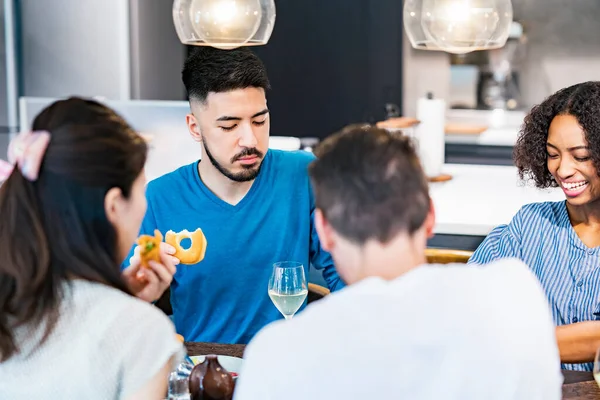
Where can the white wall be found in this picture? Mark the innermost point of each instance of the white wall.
(563, 45)
(423, 71)
(117, 49)
(157, 53)
(75, 47)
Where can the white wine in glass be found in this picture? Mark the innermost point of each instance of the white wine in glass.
(287, 287)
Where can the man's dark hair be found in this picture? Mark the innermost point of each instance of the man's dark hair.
(582, 101)
(208, 69)
(369, 184)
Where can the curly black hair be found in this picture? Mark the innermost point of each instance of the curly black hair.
(581, 101)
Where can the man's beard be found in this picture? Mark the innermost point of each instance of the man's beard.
(251, 171)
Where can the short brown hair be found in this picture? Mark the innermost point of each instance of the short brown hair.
(369, 184)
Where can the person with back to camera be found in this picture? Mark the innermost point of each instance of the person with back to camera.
(71, 208)
(402, 329)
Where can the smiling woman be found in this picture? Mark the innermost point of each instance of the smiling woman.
(570, 117)
(569, 159)
(559, 146)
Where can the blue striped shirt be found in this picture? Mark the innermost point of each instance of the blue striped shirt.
(541, 235)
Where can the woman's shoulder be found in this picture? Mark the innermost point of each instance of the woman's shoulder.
(548, 212)
(117, 310)
(532, 218)
(101, 336)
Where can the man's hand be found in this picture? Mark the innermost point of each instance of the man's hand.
(150, 283)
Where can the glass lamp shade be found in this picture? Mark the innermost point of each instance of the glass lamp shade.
(225, 24)
(457, 26)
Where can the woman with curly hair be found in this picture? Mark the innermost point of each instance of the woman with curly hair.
(559, 146)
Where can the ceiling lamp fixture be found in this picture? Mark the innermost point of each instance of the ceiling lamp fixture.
(457, 26)
(225, 24)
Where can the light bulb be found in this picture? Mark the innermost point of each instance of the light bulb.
(225, 24)
(457, 26)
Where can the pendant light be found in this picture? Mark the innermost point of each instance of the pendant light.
(457, 26)
(225, 24)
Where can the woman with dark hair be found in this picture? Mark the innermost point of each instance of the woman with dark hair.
(70, 211)
(559, 146)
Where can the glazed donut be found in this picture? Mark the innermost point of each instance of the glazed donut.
(149, 248)
(197, 249)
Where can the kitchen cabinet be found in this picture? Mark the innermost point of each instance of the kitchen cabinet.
(332, 63)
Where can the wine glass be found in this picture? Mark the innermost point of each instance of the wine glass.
(597, 367)
(287, 287)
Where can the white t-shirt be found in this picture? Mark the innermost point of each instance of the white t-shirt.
(106, 345)
(438, 332)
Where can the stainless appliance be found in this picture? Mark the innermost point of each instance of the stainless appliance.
(497, 78)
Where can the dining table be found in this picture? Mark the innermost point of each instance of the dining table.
(577, 385)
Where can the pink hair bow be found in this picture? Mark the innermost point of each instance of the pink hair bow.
(26, 151)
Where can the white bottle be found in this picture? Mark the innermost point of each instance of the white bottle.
(429, 134)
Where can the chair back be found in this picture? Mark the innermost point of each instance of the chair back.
(316, 292)
(447, 256)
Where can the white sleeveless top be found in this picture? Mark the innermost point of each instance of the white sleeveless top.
(106, 345)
